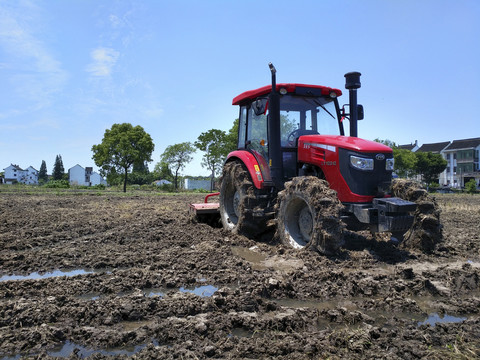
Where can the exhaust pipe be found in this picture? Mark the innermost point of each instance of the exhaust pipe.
(352, 83)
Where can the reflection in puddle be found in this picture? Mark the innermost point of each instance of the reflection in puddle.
(202, 291)
(55, 273)
(250, 255)
(318, 304)
(68, 347)
(151, 292)
(378, 315)
(434, 318)
(89, 297)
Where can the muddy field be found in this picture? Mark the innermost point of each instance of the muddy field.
(103, 275)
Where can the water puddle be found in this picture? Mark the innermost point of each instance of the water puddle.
(379, 316)
(68, 347)
(318, 304)
(89, 297)
(55, 273)
(252, 256)
(202, 291)
(152, 292)
(434, 319)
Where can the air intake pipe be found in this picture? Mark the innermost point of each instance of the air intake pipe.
(274, 145)
(352, 83)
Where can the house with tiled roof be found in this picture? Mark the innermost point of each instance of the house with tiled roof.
(435, 148)
(462, 162)
(77, 175)
(15, 174)
(412, 147)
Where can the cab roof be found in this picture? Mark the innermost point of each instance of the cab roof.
(291, 88)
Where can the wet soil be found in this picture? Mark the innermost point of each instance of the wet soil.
(102, 275)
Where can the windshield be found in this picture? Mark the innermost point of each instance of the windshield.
(306, 116)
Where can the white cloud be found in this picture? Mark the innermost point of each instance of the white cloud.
(28, 60)
(104, 60)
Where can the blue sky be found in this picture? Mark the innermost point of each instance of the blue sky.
(70, 69)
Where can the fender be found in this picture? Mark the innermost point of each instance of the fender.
(259, 170)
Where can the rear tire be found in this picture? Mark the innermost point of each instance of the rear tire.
(308, 216)
(239, 200)
(426, 231)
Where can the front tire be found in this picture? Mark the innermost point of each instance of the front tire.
(426, 231)
(308, 216)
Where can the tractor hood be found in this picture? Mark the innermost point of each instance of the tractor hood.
(344, 142)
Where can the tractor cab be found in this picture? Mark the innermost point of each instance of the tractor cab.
(304, 110)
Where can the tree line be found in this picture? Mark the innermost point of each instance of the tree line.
(58, 172)
(125, 147)
(408, 164)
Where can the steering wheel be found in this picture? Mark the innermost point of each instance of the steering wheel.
(292, 136)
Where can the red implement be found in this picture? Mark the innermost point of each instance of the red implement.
(205, 208)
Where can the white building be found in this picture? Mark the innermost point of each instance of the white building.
(191, 184)
(15, 174)
(463, 162)
(78, 175)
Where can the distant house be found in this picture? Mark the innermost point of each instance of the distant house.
(412, 147)
(435, 148)
(77, 175)
(15, 174)
(191, 184)
(463, 162)
(162, 182)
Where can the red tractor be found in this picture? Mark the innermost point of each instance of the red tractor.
(295, 165)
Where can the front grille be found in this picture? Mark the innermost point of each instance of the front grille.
(375, 182)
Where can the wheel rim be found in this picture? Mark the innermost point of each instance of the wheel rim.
(298, 222)
(232, 205)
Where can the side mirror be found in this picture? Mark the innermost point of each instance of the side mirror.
(260, 106)
(360, 113)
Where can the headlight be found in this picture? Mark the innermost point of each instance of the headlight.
(389, 163)
(361, 163)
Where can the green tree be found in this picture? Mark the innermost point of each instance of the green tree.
(123, 146)
(214, 144)
(140, 174)
(231, 140)
(386, 142)
(429, 166)
(177, 156)
(42, 174)
(471, 186)
(405, 162)
(162, 171)
(58, 169)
